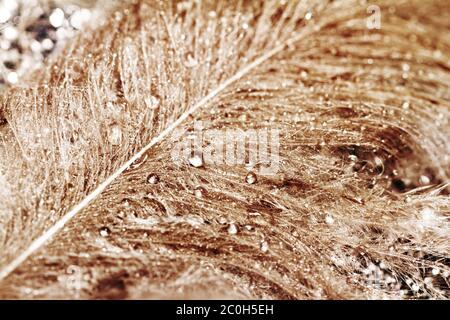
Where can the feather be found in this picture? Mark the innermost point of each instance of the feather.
(94, 205)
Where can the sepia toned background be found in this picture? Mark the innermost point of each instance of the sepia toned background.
(359, 208)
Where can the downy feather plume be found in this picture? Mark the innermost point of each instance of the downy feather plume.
(93, 205)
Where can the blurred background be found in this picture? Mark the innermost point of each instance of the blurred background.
(31, 30)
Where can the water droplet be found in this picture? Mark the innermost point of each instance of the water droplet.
(73, 269)
(47, 44)
(264, 246)
(151, 102)
(199, 192)
(153, 178)
(232, 229)
(415, 287)
(427, 214)
(191, 62)
(308, 15)
(222, 220)
(251, 178)
(378, 161)
(405, 67)
(104, 231)
(10, 33)
(12, 77)
(125, 202)
(57, 18)
(115, 134)
(405, 105)
(81, 17)
(196, 161)
(243, 117)
(329, 219)
(424, 180)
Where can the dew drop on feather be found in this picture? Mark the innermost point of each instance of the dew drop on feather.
(428, 214)
(153, 178)
(199, 192)
(104, 231)
(12, 77)
(378, 162)
(435, 271)
(424, 180)
(57, 18)
(251, 178)
(264, 246)
(151, 102)
(222, 220)
(405, 67)
(125, 202)
(329, 219)
(232, 229)
(415, 287)
(405, 105)
(308, 15)
(190, 62)
(196, 161)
